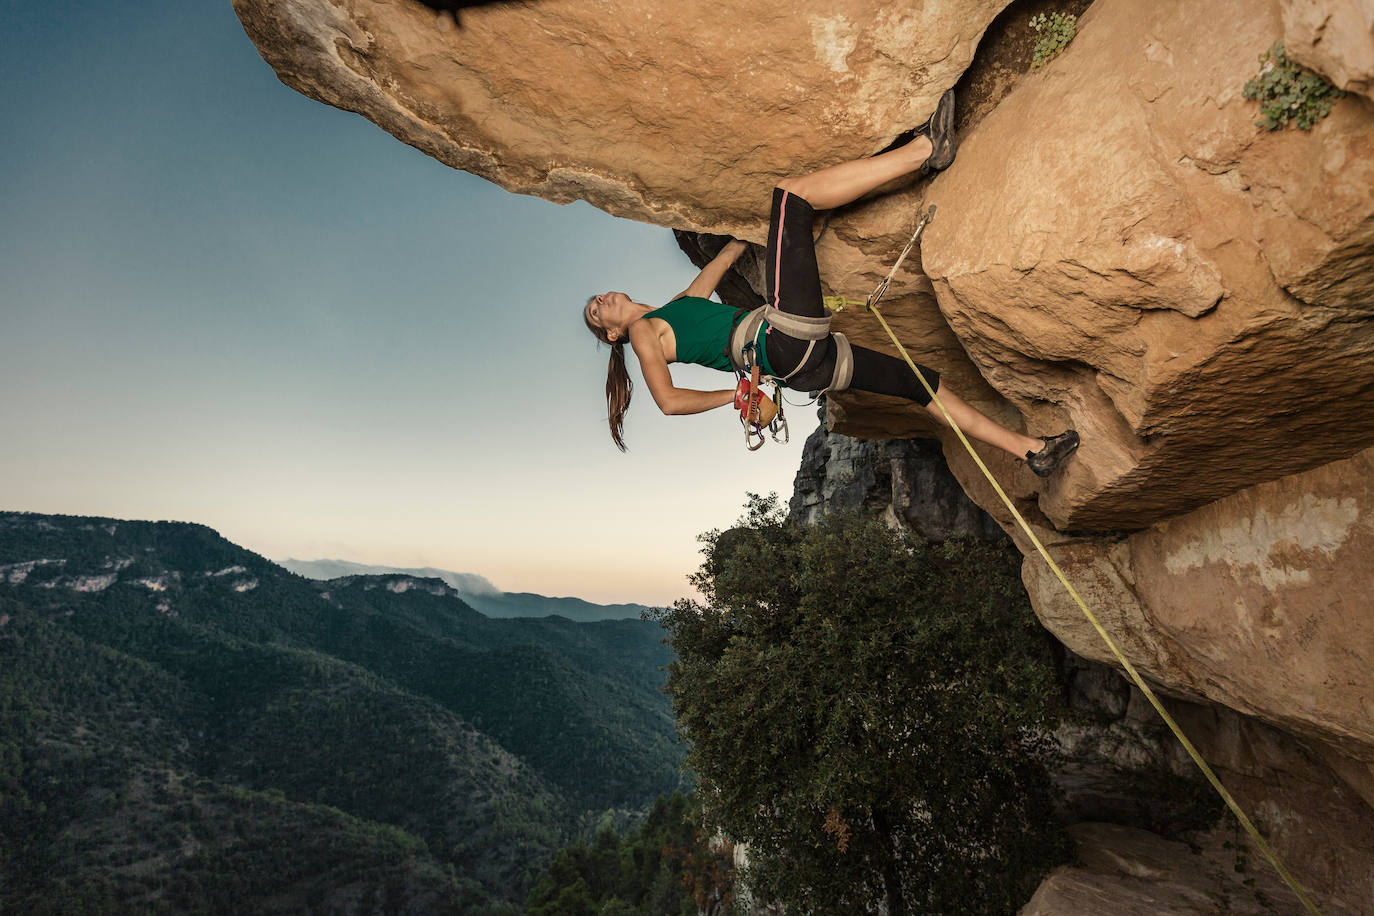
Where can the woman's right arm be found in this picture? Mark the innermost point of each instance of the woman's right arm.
(706, 282)
(669, 398)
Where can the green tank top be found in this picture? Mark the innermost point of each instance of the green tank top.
(702, 328)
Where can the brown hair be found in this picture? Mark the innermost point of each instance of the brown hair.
(618, 384)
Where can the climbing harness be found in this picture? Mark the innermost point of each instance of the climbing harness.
(742, 350)
(798, 327)
(871, 304)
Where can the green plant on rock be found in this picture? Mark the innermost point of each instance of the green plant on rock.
(1287, 93)
(1056, 30)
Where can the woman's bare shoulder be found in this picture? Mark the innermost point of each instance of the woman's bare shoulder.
(652, 335)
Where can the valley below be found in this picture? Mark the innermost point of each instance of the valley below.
(187, 726)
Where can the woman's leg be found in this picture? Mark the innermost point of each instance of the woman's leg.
(981, 427)
(841, 184)
(793, 280)
(794, 286)
(792, 277)
(883, 374)
(794, 283)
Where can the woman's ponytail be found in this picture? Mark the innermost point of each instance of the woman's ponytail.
(618, 384)
(618, 391)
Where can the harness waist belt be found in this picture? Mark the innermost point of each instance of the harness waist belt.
(798, 327)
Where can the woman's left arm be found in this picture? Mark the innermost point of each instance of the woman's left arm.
(706, 282)
(670, 399)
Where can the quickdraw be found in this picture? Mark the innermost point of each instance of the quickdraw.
(756, 410)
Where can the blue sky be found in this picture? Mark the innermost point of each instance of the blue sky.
(226, 303)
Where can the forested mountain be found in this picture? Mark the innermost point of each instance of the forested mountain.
(184, 724)
(477, 591)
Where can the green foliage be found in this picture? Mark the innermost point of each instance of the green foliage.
(109, 806)
(200, 743)
(666, 866)
(1056, 30)
(579, 702)
(1287, 93)
(868, 712)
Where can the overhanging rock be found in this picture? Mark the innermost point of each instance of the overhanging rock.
(682, 115)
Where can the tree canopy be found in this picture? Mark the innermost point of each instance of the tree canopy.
(868, 712)
(665, 866)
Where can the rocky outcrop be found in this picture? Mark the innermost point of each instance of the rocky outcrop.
(1258, 601)
(1298, 795)
(1189, 292)
(1133, 794)
(906, 481)
(1132, 872)
(682, 116)
(1294, 798)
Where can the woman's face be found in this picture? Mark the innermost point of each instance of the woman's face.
(611, 312)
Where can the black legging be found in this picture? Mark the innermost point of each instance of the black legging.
(794, 285)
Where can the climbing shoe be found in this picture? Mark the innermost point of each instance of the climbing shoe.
(1056, 449)
(940, 131)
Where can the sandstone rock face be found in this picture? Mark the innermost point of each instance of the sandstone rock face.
(1321, 827)
(1336, 39)
(1322, 831)
(1259, 601)
(1131, 872)
(1192, 294)
(682, 115)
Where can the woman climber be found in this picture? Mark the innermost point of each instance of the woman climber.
(792, 341)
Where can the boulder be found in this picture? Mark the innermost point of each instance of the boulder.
(1334, 38)
(1193, 294)
(1321, 830)
(1300, 794)
(1132, 872)
(1258, 601)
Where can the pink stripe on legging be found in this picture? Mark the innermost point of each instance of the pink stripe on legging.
(777, 266)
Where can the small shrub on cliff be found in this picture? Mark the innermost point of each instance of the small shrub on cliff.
(1287, 93)
(867, 711)
(1056, 30)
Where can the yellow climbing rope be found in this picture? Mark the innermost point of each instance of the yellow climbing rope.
(872, 305)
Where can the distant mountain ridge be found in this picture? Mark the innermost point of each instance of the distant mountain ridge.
(476, 590)
(187, 726)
